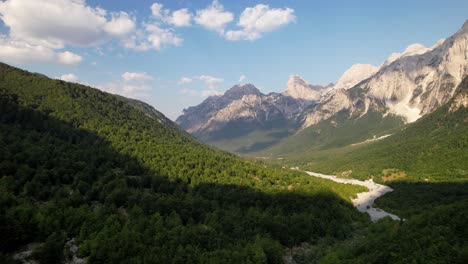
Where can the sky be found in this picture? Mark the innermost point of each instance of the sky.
(174, 54)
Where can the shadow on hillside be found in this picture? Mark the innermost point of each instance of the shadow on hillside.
(411, 198)
(82, 184)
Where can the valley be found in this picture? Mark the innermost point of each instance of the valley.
(364, 201)
(399, 130)
(295, 132)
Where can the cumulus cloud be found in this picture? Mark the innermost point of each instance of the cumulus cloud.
(152, 37)
(69, 58)
(136, 77)
(50, 25)
(254, 21)
(21, 53)
(178, 18)
(214, 17)
(210, 81)
(242, 78)
(157, 10)
(120, 24)
(160, 38)
(69, 77)
(18, 52)
(53, 23)
(134, 85)
(202, 93)
(185, 80)
(128, 90)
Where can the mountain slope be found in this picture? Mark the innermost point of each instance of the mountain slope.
(354, 75)
(245, 120)
(416, 83)
(81, 166)
(406, 87)
(336, 132)
(426, 164)
(433, 148)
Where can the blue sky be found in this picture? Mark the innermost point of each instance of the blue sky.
(172, 54)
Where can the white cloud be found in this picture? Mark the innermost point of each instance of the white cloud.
(211, 84)
(69, 78)
(206, 93)
(214, 17)
(178, 18)
(136, 77)
(120, 24)
(22, 53)
(242, 78)
(53, 23)
(69, 58)
(153, 37)
(42, 27)
(157, 10)
(160, 38)
(210, 81)
(18, 52)
(185, 80)
(202, 93)
(128, 90)
(254, 21)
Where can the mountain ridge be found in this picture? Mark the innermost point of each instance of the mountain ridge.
(406, 86)
(81, 165)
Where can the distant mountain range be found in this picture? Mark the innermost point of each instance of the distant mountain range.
(365, 101)
(244, 111)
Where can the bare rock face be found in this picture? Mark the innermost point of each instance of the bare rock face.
(245, 105)
(298, 88)
(410, 84)
(355, 75)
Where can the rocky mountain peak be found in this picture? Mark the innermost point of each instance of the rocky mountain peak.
(465, 26)
(415, 49)
(354, 75)
(238, 91)
(298, 88)
(411, 50)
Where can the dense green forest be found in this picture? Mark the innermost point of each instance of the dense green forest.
(78, 163)
(436, 236)
(426, 163)
(338, 131)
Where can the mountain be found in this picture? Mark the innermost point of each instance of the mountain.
(431, 149)
(415, 84)
(90, 176)
(243, 119)
(413, 49)
(426, 164)
(406, 87)
(365, 102)
(354, 75)
(300, 89)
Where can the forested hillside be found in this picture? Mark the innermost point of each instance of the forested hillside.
(79, 163)
(432, 149)
(435, 236)
(338, 131)
(426, 164)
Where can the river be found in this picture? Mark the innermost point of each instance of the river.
(365, 200)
